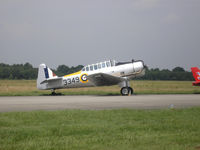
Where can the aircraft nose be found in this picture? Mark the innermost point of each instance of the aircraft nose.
(138, 66)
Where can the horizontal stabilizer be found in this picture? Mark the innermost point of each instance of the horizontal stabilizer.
(45, 75)
(51, 79)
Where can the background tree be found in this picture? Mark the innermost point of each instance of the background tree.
(27, 71)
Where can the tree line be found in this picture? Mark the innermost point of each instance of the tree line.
(178, 74)
(27, 71)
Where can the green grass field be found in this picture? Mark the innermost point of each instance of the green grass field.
(176, 129)
(28, 88)
(170, 129)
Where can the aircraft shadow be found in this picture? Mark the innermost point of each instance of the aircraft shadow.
(61, 94)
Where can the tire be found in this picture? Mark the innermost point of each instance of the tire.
(125, 91)
(131, 91)
(53, 93)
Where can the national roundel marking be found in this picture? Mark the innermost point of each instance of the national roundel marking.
(83, 78)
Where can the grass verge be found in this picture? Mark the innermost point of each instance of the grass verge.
(176, 129)
(28, 88)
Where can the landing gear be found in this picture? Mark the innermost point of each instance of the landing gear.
(125, 91)
(53, 92)
(131, 90)
(125, 88)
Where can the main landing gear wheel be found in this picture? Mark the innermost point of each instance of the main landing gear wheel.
(125, 91)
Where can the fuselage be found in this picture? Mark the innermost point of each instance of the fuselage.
(126, 70)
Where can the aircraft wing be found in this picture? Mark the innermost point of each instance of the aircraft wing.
(102, 79)
(51, 79)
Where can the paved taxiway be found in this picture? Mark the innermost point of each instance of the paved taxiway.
(25, 103)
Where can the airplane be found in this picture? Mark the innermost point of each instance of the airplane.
(196, 75)
(104, 73)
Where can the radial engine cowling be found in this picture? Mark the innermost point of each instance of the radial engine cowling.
(138, 66)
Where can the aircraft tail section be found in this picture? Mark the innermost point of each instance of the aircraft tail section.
(44, 74)
(196, 75)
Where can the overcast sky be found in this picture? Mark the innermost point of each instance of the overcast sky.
(163, 33)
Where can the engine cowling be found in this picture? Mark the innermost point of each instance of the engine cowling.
(138, 66)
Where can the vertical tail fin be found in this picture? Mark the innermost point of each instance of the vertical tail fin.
(44, 73)
(196, 73)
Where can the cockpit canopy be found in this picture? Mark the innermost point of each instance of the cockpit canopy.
(99, 65)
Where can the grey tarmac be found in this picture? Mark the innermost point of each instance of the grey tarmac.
(29, 103)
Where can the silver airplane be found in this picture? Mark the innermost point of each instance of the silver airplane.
(104, 73)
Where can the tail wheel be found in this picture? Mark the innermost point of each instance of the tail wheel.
(53, 91)
(125, 91)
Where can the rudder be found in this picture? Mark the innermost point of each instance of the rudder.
(196, 73)
(44, 73)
